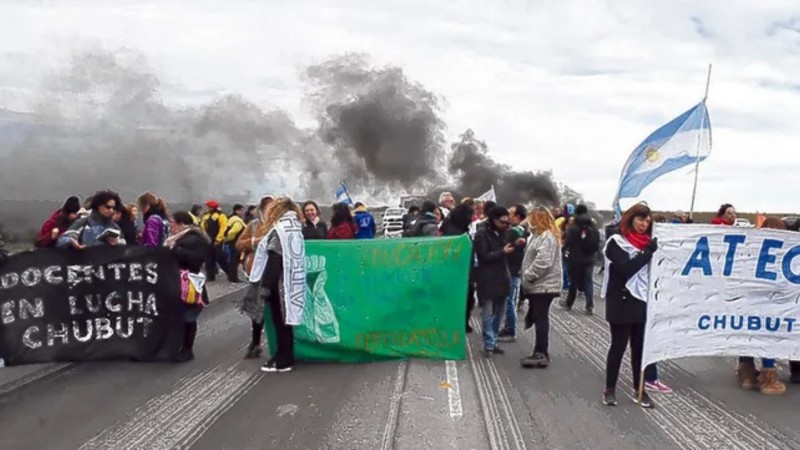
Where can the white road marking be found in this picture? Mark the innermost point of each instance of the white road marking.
(387, 442)
(453, 392)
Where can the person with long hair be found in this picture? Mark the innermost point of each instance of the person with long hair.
(541, 281)
(343, 225)
(625, 285)
(726, 215)
(126, 223)
(98, 227)
(268, 271)
(252, 235)
(314, 227)
(156, 225)
(189, 244)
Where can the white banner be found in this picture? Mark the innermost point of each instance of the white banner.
(488, 196)
(723, 291)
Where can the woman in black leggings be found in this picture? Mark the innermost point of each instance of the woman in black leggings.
(542, 281)
(625, 283)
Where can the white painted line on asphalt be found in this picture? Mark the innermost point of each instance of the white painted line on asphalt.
(387, 442)
(453, 391)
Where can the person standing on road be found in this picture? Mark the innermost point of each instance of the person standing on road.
(517, 236)
(581, 244)
(235, 229)
(456, 224)
(251, 305)
(97, 228)
(342, 224)
(268, 271)
(541, 281)
(625, 284)
(365, 222)
(189, 244)
(59, 222)
(156, 225)
(314, 227)
(425, 224)
(492, 276)
(214, 222)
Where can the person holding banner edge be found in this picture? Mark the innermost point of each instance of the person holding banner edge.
(625, 285)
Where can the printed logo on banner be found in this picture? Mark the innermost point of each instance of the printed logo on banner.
(723, 291)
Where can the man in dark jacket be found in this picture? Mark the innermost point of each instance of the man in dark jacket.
(517, 235)
(425, 225)
(492, 276)
(581, 243)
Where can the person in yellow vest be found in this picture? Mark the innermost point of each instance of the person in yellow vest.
(235, 228)
(214, 222)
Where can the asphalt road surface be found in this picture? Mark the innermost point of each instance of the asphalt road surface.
(220, 401)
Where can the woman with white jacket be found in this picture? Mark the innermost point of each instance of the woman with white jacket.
(541, 281)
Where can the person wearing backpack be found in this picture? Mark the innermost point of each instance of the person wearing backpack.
(214, 222)
(156, 225)
(581, 243)
(425, 225)
(235, 229)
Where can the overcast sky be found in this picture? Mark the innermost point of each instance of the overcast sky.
(571, 86)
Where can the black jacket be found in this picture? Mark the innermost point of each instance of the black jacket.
(515, 259)
(424, 226)
(318, 231)
(621, 306)
(191, 250)
(492, 275)
(582, 242)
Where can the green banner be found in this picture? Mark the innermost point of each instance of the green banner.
(378, 299)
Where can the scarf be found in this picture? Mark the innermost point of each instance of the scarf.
(173, 238)
(639, 241)
(639, 283)
(290, 232)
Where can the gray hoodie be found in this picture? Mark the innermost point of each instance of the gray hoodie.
(541, 266)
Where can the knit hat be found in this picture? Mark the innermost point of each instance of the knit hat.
(72, 205)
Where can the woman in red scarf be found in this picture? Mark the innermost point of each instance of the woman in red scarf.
(625, 290)
(725, 216)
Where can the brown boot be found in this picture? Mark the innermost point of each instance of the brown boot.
(769, 384)
(747, 376)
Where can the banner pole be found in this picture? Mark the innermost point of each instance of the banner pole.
(697, 162)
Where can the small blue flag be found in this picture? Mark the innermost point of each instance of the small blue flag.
(342, 196)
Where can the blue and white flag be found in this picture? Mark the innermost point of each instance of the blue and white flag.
(342, 196)
(683, 141)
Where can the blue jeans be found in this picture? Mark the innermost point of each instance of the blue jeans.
(565, 272)
(511, 305)
(492, 314)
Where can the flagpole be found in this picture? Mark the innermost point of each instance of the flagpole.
(697, 162)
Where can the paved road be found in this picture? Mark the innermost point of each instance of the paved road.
(220, 401)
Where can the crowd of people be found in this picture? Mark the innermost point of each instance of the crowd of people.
(521, 255)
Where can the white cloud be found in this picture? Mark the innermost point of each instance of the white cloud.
(568, 86)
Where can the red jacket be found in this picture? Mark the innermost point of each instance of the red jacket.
(46, 238)
(343, 231)
(720, 221)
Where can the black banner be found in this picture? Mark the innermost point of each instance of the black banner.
(99, 303)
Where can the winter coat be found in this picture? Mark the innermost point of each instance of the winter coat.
(155, 232)
(345, 230)
(720, 221)
(129, 231)
(621, 306)
(582, 241)
(515, 259)
(366, 225)
(318, 231)
(541, 266)
(247, 244)
(491, 275)
(424, 226)
(86, 231)
(57, 220)
(191, 250)
(234, 229)
(215, 224)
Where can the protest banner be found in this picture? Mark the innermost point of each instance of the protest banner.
(380, 299)
(723, 291)
(99, 303)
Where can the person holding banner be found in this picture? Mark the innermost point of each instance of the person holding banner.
(625, 285)
(189, 244)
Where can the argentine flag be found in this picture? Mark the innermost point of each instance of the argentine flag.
(683, 141)
(341, 195)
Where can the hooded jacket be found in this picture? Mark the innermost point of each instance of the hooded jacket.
(366, 224)
(583, 241)
(492, 275)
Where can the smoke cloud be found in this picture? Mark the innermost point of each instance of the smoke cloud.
(103, 122)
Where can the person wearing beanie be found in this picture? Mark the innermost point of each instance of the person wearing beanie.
(492, 276)
(214, 222)
(59, 222)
